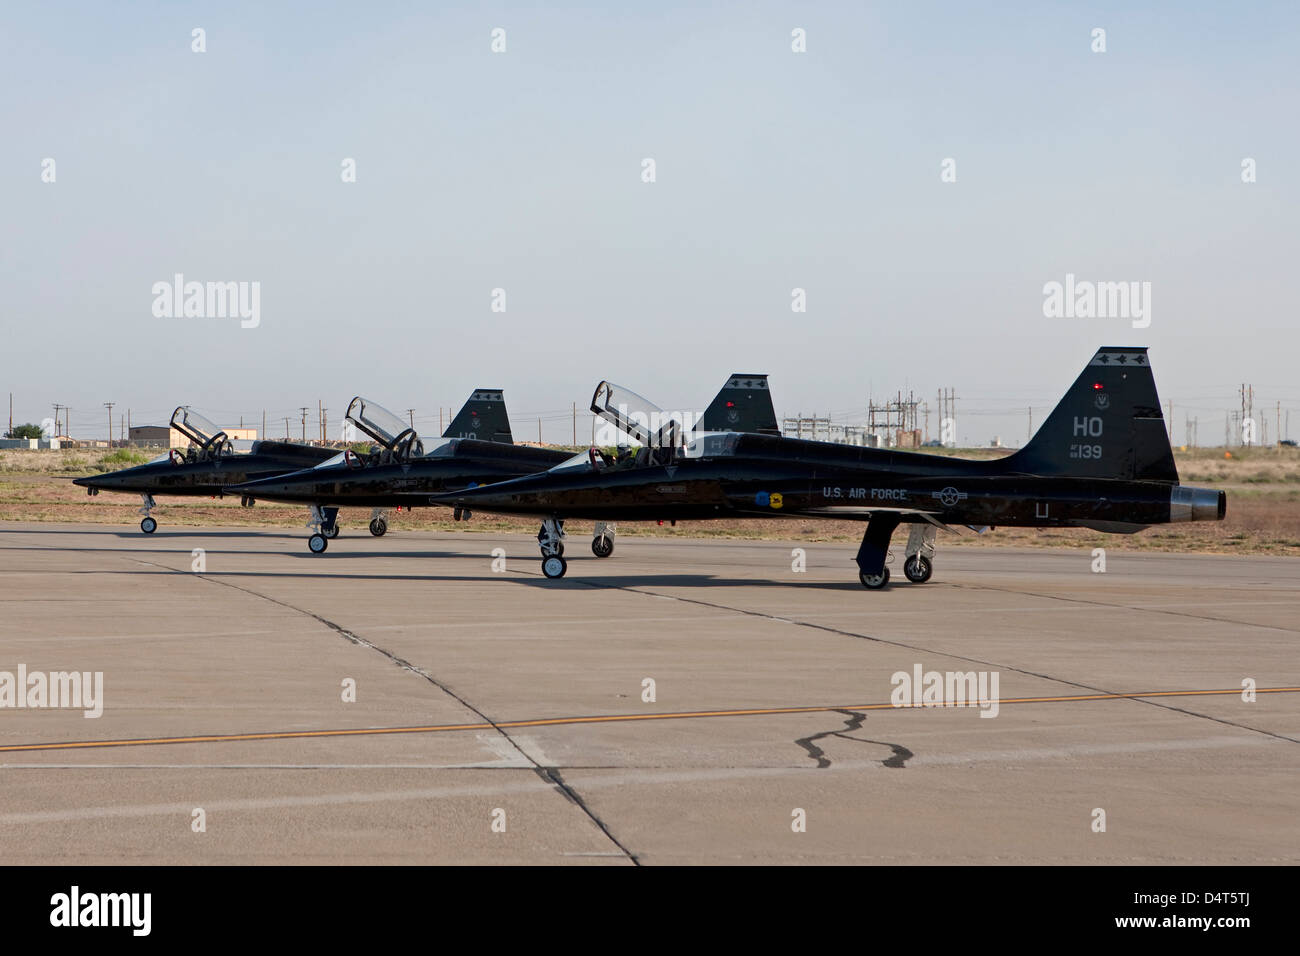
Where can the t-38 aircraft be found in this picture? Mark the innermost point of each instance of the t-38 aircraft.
(205, 469)
(398, 473)
(1101, 460)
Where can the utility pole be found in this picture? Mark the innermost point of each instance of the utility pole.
(109, 406)
(262, 434)
(440, 428)
(304, 422)
(286, 429)
(410, 416)
(11, 414)
(57, 408)
(1029, 435)
(539, 431)
(575, 424)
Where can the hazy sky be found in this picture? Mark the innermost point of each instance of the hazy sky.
(522, 171)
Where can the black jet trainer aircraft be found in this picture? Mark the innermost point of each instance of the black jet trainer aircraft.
(1101, 460)
(205, 469)
(397, 472)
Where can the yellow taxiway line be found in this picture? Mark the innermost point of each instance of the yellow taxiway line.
(597, 719)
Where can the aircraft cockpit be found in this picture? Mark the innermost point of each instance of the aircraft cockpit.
(398, 442)
(206, 439)
(658, 434)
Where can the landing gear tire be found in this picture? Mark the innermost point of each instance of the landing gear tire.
(317, 544)
(918, 569)
(603, 546)
(874, 582)
(148, 526)
(554, 566)
(331, 532)
(378, 526)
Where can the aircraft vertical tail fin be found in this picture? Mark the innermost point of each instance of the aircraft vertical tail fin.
(483, 418)
(743, 405)
(1108, 425)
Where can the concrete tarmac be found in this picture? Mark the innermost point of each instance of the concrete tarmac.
(503, 718)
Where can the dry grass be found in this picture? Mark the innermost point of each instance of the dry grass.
(1263, 509)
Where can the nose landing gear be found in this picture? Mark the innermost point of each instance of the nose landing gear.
(552, 545)
(918, 565)
(148, 525)
(602, 542)
(324, 524)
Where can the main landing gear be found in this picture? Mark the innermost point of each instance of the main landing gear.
(918, 564)
(550, 539)
(148, 525)
(602, 541)
(324, 522)
(378, 526)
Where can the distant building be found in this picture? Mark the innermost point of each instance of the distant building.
(164, 436)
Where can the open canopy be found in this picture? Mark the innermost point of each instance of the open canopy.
(197, 428)
(637, 417)
(384, 427)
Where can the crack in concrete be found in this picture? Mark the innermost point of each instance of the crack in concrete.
(548, 774)
(854, 721)
(924, 650)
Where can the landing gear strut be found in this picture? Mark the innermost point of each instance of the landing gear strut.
(875, 549)
(919, 564)
(148, 525)
(324, 523)
(602, 541)
(378, 526)
(552, 545)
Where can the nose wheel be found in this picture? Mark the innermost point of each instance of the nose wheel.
(602, 542)
(550, 539)
(148, 525)
(324, 524)
(378, 527)
(918, 569)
